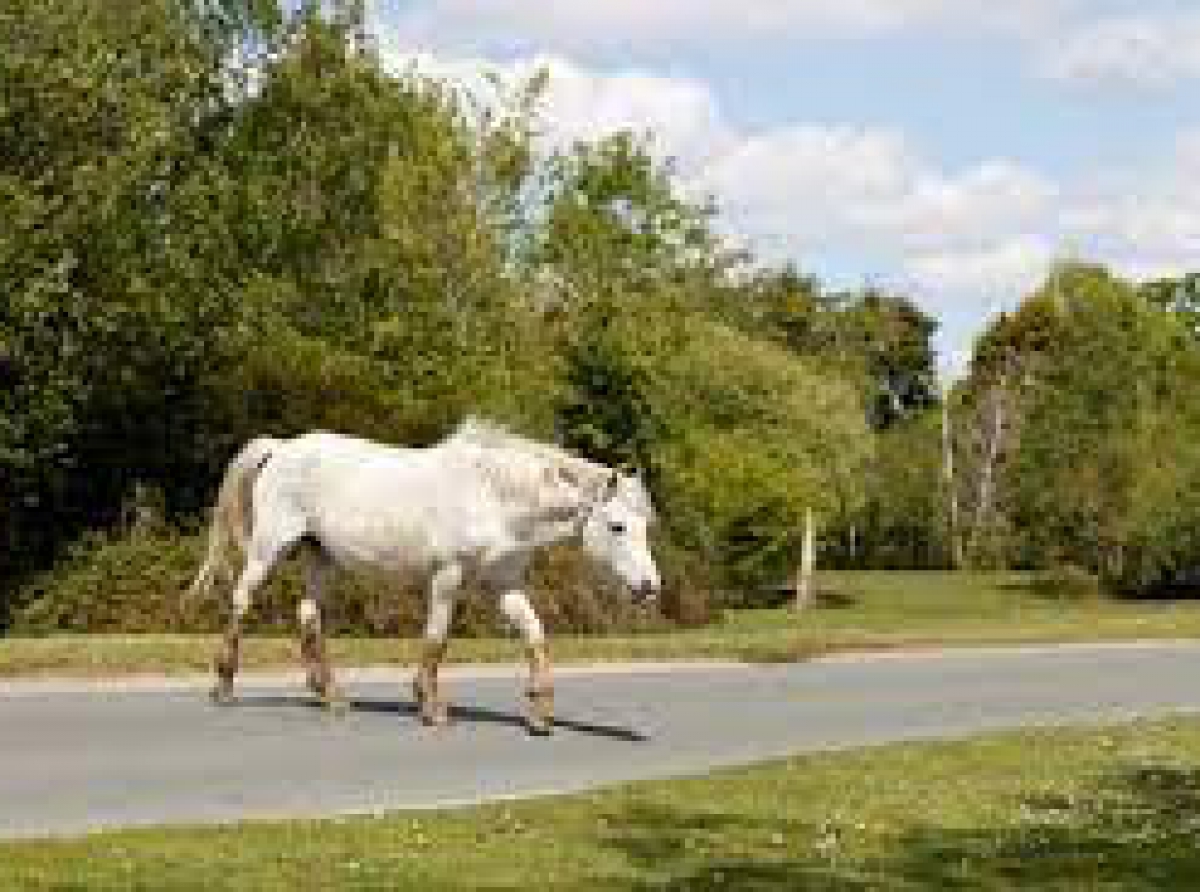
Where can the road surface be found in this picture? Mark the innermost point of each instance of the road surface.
(76, 757)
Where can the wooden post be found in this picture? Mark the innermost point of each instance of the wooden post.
(808, 564)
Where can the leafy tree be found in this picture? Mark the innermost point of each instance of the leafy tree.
(1178, 296)
(615, 222)
(757, 446)
(892, 340)
(225, 218)
(1101, 384)
(902, 523)
(117, 294)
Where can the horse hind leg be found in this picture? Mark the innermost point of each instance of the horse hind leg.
(264, 553)
(228, 656)
(320, 678)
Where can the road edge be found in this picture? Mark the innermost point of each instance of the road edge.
(395, 674)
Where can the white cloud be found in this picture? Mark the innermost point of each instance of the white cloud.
(809, 182)
(1146, 224)
(846, 191)
(680, 115)
(1187, 154)
(1142, 50)
(863, 204)
(580, 25)
(967, 208)
(853, 199)
(993, 275)
(1070, 41)
(1149, 224)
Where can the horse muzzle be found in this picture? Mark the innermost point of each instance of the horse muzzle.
(646, 593)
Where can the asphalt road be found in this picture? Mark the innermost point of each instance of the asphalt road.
(77, 757)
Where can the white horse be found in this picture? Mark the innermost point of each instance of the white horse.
(476, 505)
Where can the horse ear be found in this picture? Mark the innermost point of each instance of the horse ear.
(565, 475)
(612, 485)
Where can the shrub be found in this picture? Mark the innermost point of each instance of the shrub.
(1068, 581)
(135, 583)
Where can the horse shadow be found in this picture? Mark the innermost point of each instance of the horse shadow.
(459, 714)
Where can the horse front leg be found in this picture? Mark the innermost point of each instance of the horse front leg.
(443, 590)
(427, 688)
(520, 613)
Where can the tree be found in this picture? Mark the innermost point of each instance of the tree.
(118, 295)
(616, 224)
(1099, 383)
(892, 340)
(1180, 297)
(753, 448)
(225, 219)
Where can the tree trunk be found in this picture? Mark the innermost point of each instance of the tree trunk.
(951, 485)
(984, 509)
(808, 564)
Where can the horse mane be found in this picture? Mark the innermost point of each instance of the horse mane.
(524, 469)
(484, 432)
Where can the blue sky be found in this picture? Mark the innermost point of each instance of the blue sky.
(952, 148)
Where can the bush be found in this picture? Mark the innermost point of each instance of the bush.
(739, 437)
(135, 583)
(1068, 582)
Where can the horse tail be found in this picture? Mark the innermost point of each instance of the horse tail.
(230, 527)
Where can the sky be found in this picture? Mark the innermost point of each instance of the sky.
(949, 149)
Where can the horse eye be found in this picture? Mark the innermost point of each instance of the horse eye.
(617, 528)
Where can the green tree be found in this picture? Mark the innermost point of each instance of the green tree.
(1101, 384)
(615, 222)
(118, 294)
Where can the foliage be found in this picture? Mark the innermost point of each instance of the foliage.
(119, 294)
(854, 612)
(754, 448)
(616, 224)
(133, 581)
(902, 523)
(228, 218)
(1100, 467)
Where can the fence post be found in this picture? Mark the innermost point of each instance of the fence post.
(808, 563)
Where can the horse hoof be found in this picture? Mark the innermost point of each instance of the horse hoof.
(220, 696)
(336, 706)
(541, 728)
(435, 719)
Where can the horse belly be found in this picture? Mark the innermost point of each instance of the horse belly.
(390, 545)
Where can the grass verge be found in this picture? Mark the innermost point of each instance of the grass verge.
(871, 611)
(1112, 807)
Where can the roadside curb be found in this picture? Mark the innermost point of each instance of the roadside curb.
(1004, 650)
(399, 675)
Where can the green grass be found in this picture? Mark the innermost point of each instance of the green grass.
(1100, 808)
(870, 611)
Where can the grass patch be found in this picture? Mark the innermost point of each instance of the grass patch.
(1114, 807)
(870, 611)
